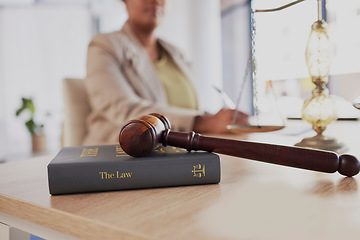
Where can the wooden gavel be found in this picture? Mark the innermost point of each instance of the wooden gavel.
(141, 136)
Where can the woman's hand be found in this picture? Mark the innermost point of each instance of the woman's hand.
(217, 123)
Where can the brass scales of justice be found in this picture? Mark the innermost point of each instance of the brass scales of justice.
(319, 109)
(256, 125)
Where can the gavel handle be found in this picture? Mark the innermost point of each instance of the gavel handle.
(304, 158)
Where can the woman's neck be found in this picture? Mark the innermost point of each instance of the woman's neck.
(148, 41)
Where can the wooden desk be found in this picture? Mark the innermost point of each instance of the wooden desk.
(253, 201)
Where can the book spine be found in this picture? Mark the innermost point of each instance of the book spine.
(124, 175)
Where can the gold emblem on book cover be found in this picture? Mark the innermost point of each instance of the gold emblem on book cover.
(89, 152)
(198, 170)
(120, 152)
(170, 149)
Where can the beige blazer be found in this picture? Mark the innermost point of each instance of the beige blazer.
(122, 84)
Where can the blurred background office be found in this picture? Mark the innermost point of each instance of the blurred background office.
(44, 41)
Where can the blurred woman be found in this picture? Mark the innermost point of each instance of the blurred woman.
(132, 72)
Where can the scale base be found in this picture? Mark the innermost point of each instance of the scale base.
(324, 143)
(253, 128)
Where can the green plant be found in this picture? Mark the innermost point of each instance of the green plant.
(28, 105)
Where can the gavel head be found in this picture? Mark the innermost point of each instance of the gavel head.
(141, 136)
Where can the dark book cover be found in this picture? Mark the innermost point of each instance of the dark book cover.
(82, 169)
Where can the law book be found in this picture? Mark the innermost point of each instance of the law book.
(84, 169)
